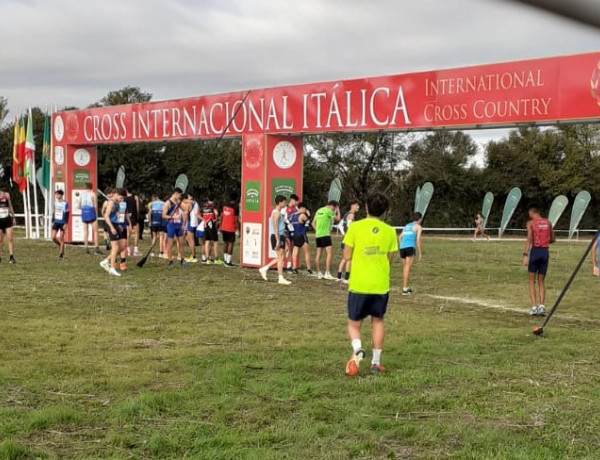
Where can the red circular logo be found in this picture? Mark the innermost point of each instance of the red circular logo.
(595, 84)
(72, 127)
(253, 153)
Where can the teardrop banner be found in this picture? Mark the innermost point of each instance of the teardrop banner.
(580, 205)
(512, 201)
(559, 205)
(417, 195)
(488, 200)
(425, 196)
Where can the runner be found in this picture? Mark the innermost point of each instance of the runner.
(288, 211)
(7, 221)
(540, 236)
(229, 225)
(410, 242)
(60, 219)
(479, 230)
(176, 220)
(370, 245)
(156, 223)
(347, 219)
(211, 233)
(299, 221)
(324, 218)
(276, 229)
(89, 216)
(116, 221)
(190, 206)
(133, 232)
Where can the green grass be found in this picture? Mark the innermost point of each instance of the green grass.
(211, 362)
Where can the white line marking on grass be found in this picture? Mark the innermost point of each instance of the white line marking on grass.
(497, 306)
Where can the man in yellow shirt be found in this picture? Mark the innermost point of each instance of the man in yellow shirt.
(370, 245)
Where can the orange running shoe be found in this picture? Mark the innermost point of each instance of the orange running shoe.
(123, 267)
(377, 369)
(353, 364)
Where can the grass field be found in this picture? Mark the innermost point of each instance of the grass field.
(212, 362)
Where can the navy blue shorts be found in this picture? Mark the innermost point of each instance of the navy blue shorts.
(362, 305)
(407, 252)
(538, 261)
(58, 226)
(174, 230)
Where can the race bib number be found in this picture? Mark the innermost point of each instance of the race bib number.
(58, 215)
(209, 224)
(4, 213)
(177, 219)
(121, 217)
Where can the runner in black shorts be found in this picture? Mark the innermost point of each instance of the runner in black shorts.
(7, 220)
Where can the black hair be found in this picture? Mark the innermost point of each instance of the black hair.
(59, 192)
(417, 216)
(333, 203)
(377, 204)
(279, 199)
(353, 202)
(293, 196)
(302, 204)
(185, 196)
(177, 190)
(534, 207)
(122, 192)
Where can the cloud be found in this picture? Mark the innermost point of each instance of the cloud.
(71, 53)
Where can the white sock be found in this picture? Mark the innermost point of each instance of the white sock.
(376, 357)
(281, 277)
(356, 345)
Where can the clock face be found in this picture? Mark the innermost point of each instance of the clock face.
(59, 155)
(81, 157)
(284, 154)
(59, 128)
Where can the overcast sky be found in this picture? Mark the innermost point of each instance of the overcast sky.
(73, 52)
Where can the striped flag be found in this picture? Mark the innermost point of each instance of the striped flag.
(45, 183)
(19, 154)
(29, 150)
(16, 167)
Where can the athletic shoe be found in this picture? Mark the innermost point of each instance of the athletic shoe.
(309, 272)
(263, 273)
(162, 256)
(338, 280)
(191, 260)
(406, 291)
(113, 272)
(295, 271)
(288, 270)
(105, 265)
(210, 262)
(345, 282)
(229, 264)
(61, 255)
(377, 369)
(541, 310)
(533, 311)
(353, 364)
(184, 263)
(136, 252)
(128, 251)
(152, 254)
(98, 252)
(11, 260)
(328, 277)
(219, 262)
(123, 266)
(319, 276)
(284, 281)
(171, 264)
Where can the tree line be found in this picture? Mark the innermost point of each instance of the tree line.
(543, 162)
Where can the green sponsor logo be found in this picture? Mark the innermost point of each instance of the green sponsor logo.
(59, 175)
(283, 187)
(80, 177)
(252, 196)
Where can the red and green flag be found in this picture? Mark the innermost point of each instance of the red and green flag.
(29, 150)
(45, 182)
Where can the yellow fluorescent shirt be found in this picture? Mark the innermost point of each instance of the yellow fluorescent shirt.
(372, 241)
